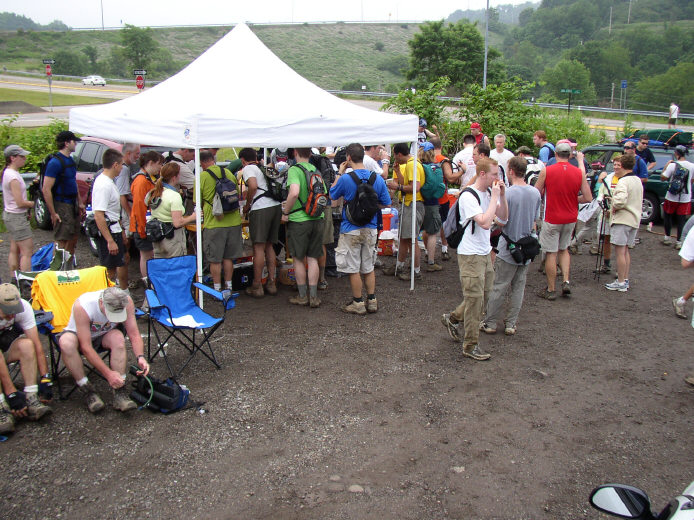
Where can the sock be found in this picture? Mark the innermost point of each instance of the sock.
(358, 300)
(416, 269)
(606, 261)
(431, 261)
(31, 389)
(82, 381)
(302, 290)
(399, 264)
(313, 291)
(218, 287)
(681, 300)
(228, 284)
(371, 296)
(321, 273)
(145, 281)
(444, 249)
(2, 399)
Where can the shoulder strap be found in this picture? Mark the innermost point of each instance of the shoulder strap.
(214, 175)
(479, 201)
(372, 178)
(355, 178)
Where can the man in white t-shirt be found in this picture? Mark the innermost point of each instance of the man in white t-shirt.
(464, 163)
(674, 114)
(106, 203)
(677, 206)
(478, 208)
(501, 155)
(687, 255)
(372, 154)
(264, 214)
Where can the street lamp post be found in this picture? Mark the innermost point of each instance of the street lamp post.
(486, 45)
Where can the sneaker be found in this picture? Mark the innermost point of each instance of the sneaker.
(486, 328)
(565, 289)
(547, 295)
(405, 275)
(445, 256)
(678, 244)
(430, 268)
(314, 303)
(322, 285)
(371, 305)
(510, 331)
(626, 281)
(667, 241)
(6, 419)
(271, 288)
(617, 286)
(476, 354)
(255, 292)
(298, 300)
(35, 408)
(605, 269)
(573, 249)
(451, 327)
(122, 401)
(355, 308)
(679, 308)
(91, 398)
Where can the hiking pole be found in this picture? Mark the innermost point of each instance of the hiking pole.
(601, 243)
(402, 205)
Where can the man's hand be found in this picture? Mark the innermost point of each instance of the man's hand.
(502, 189)
(112, 247)
(579, 157)
(496, 190)
(144, 366)
(18, 403)
(114, 379)
(55, 218)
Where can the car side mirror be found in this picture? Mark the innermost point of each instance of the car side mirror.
(597, 165)
(622, 501)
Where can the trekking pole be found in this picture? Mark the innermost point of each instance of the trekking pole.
(402, 205)
(601, 244)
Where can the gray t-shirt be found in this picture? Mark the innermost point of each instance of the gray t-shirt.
(523, 209)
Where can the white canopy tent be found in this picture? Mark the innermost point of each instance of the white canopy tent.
(237, 94)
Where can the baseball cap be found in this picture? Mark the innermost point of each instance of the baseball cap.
(681, 149)
(10, 301)
(422, 122)
(475, 125)
(524, 149)
(426, 146)
(115, 302)
(15, 149)
(65, 136)
(563, 148)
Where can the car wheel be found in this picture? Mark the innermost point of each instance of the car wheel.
(650, 208)
(43, 218)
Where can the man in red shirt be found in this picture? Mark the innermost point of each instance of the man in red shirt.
(476, 130)
(564, 187)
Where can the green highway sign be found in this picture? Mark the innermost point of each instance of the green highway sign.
(570, 91)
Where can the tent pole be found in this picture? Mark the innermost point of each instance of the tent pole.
(198, 221)
(415, 231)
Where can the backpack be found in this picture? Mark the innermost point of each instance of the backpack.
(452, 228)
(170, 158)
(549, 148)
(224, 189)
(317, 199)
(42, 171)
(433, 187)
(276, 184)
(325, 166)
(158, 395)
(361, 209)
(528, 248)
(678, 180)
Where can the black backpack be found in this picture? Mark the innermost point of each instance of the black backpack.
(276, 184)
(226, 189)
(42, 171)
(452, 228)
(325, 166)
(361, 209)
(549, 148)
(678, 181)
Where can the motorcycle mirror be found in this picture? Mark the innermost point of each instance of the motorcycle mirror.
(622, 501)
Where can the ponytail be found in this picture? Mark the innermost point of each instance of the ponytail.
(168, 172)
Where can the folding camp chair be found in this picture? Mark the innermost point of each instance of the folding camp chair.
(56, 292)
(172, 308)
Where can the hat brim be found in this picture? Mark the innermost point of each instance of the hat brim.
(115, 316)
(15, 308)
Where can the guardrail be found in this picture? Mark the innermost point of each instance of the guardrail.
(28, 177)
(58, 77)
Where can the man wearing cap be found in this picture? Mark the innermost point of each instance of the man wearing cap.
(19, 341)
(476, 131)
(561, 184)
(422, 133)
(61, 194)
(96, 323)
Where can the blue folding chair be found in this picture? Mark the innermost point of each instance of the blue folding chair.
(172, 308)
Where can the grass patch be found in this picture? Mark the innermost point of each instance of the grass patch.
(40, 99)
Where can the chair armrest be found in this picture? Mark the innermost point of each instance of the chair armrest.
(152, 299)
(228, 300)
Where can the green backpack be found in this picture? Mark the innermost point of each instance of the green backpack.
(433, 187)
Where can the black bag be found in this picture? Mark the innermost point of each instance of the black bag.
(90, 227)
(162, 396)
(42, 171)
(226, 189)
(678, 180)
(524, 249)
(276, 184)
(325, 166)
(361, 209)
(157, 230)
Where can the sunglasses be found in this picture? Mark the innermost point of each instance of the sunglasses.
(629, 147)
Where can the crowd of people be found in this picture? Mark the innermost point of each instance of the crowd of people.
(508, 205)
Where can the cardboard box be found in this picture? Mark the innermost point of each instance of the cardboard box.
(286, 274)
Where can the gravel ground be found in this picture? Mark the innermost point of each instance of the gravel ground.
(317, 414)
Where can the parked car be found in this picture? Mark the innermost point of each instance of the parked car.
(94, 80)
(599, 157)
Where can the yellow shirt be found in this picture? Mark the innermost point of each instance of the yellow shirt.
(407, 173)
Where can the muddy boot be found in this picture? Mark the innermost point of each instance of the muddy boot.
(122, 401)
(35, 408)
(6, 418)
(91, 398)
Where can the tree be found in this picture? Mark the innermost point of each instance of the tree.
(91, 53)
(139, 46)
(569, 74)
(656, 92)
(69, 63)
(455, 51)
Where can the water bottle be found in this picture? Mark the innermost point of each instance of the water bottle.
(148, 216)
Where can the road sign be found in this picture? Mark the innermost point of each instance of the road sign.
(140, 82)
(624, 83)
(140, 72)
(48, 69)
(570, 91)
(49, 62)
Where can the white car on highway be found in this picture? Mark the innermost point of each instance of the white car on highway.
(94, 80)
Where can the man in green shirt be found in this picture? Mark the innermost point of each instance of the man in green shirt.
(221, 238)
(305, 233)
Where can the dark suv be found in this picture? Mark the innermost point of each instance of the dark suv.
(599, 157)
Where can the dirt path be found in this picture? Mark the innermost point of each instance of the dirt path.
(317, 414)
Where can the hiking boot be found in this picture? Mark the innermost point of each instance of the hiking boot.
(6, 419)
(390, 270)
(35, 408)
(679, 308)
(547, 294)
(271, 288)
(476, 354)
(122, 401)
(667, 241)
(298, 300)
(689, 380)
(314, 303)
(430, 268)
(255, 292)
(322, 285)
(565, 289)
(91, 398)
(445, 256)
(604, 269)
(510, 331)
(451, 326)
(486, 328)
(573, 249)
(355, 308)
(678, 244)
(371, 305)
(405, 275)
(617, 286)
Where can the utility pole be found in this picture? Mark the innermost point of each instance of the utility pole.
(609, 31)
(612, 96)
(629, 13)
(486, 45)
(102, 15)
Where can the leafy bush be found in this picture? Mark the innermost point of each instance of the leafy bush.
(39, 141)
(379, 46)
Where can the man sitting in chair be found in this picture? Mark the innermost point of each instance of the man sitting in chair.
(19, 341)
(97, 321)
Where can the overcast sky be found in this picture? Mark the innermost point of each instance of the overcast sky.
(87, 13)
